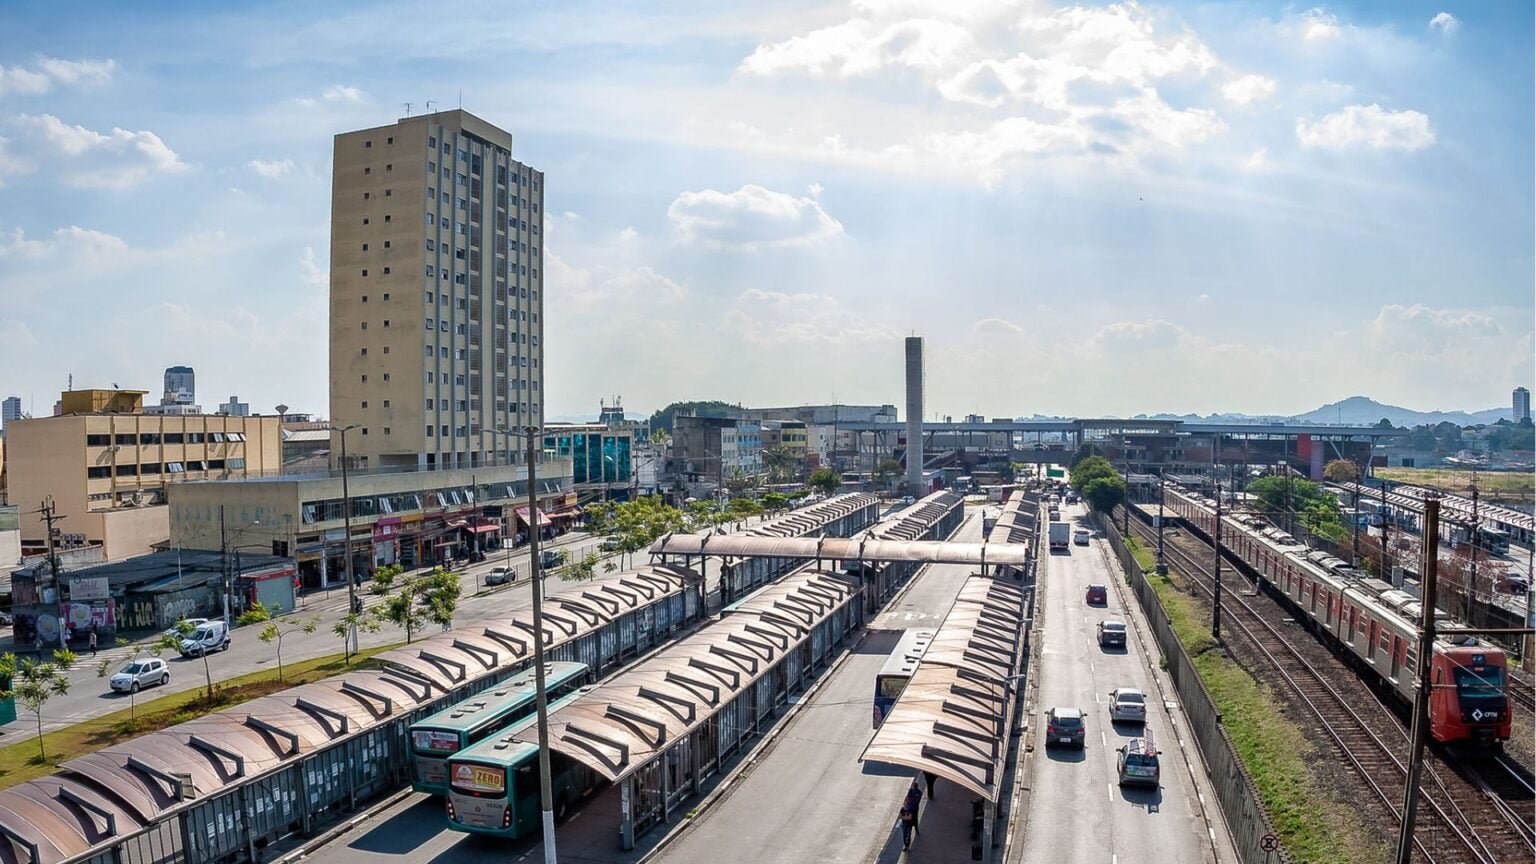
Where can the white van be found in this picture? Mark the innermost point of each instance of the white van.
(209, 636)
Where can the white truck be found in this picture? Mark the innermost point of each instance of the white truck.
(1061, 536)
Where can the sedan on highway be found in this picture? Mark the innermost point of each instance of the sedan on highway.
(1097, 595)
(1065, 726)
(138, 674)
(1111, 633)
(1080, 536)
(1127, 705)
(1137, 763)
(498, 576)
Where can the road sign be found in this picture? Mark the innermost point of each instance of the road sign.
(1055, 472)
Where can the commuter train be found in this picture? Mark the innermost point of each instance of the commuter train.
(1370, 619)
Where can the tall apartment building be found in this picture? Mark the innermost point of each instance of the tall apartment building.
(1522, 404)
(436, 293)
(10, 410)
(180, 386)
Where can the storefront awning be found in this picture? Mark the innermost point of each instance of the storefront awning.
(544, 520)
(486, 528)
(565, 513)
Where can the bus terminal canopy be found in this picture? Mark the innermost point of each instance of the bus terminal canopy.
(952, 718)
(843, 549)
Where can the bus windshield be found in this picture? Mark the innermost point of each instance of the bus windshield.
(481, 781)
(1487, 684)
(890, 686)
(435, 742)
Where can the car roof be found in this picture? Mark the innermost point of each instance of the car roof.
(1095, 585)
(1136, 690)
(1112, 622)
(1065, 713)
(1140, 747)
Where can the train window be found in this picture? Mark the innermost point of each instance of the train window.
(1386, 640)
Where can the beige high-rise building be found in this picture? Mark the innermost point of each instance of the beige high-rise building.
(436, 293)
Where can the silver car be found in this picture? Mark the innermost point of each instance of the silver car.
(1127, 705)
(139, 674)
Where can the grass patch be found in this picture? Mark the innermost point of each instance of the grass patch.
(1491, 485)
(1144, 556)
(19, 762)
(1311, 821)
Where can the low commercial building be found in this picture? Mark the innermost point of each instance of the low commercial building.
(413, 518)
(106, 465)
(601, 457)
(146, 593)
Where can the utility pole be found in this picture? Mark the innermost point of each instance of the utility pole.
(46, 509)
(1471, 581)
(1216, 591)
(1125, 524)
(1354, 558)
(224, 564)
(1386, 545)
(1420, 730)
(541, 699)
(1162, 492)
(346, 520)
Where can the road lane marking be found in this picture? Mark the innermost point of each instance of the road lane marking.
(1111, 788)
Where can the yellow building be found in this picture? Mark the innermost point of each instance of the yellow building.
(107, 473)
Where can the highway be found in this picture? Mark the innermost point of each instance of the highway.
(806, 799)
(1076, 812)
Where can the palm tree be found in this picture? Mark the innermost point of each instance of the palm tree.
(780, 462)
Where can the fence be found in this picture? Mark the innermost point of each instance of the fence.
(1247, 821)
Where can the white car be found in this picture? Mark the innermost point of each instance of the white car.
(176, 629)
(1080, 536)
(1127, 705)
(140, 673)
(209, 636)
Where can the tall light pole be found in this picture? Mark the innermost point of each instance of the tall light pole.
(541, 695)
(1216, 573)
(1162, 491)
(1419, 731)
(346, 517)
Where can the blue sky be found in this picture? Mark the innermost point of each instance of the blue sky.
(1097, 209)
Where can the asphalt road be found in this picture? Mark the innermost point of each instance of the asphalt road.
(809, 798)
(89, 696)
(1076, 811)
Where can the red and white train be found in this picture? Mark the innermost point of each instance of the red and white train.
(1370, 619)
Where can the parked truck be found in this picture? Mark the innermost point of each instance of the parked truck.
(1061, 536)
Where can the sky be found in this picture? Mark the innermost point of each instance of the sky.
(1092, 209)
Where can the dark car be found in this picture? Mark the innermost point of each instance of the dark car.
(1097, 595)
(1111, 633)
(1137, 763)
(1065, 727)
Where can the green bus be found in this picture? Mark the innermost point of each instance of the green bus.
(480, 716)
(494, 785)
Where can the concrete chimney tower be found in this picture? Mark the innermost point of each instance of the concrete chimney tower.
(915, 415)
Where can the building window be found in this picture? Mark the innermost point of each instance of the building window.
(365, 379)
(365, 430)
(432, 142)
(95, 472)
(432, 168)
(445, 431)
(365, 352)
(367, 145)
(429, 404)
(365, 298)
(386, 430)
(365, 323)
(386, 403)
(367, 170)
(365, 272)
(431, 247)
(389, 166)
(386, 300)
(388, 193)
(386, 272)
(386, 374)
(430, 430)
(365, 220)
(235, 463)
(98, 440)
(386, 217)
(430, 272)
(366, 196)
(386, 349)
(429, 298)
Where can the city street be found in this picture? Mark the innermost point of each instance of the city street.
(1076, 812)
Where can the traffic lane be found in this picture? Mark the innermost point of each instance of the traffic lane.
(1064, 818)
(1158, 821)
(89, 695)
(415, 829)
(809, 798)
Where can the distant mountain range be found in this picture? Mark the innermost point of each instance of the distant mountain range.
(1354, 411)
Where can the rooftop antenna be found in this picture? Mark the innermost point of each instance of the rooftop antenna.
(461, 97)
(430, 103)
(407, 109)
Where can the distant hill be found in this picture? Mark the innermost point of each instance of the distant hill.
(1361, 410)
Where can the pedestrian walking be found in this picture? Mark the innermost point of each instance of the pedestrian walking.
(928, 778)
(93, 639)
(908, 825)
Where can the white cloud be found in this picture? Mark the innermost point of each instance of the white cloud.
(749, 219)
(862, 46)
(1258, 160)
(1319, 26)
(83, 157)
(52, 70)
(1423, 331)
(774, 318)
(996, 327)
(270, 167)
(1367, 126)
(75, 242)
(342, 93)
(1249, 88)
(311, 270)
(1445, 22)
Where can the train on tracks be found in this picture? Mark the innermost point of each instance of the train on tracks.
(1370, 621)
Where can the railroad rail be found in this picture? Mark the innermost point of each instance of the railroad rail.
(1522, 688)
(1446, 831)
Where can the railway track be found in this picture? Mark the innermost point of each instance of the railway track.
(1523, 691)
(1461, 816)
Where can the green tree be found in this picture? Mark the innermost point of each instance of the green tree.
(184, 630)
(1083, 452)
(132, 652)
(1089, 469)
(780, 463)
(599, 517)
(740, 481)
(441, 591)
(1104, 494)
(886, 470)
(1341, 471)
(744, 508)
(277, 628)
(773, 502)
(662, 420)
(384, 578)
(34, 683)
(403, 610)
(825, 480)
(364, 623)
(580, 570)
(1301, 501)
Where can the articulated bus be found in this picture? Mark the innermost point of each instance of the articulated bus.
(493, 786)
(480, 716)
(898, 670)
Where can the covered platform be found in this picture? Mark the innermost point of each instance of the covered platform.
(840, 549)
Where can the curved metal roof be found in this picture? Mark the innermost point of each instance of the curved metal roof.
(952, 718)
(625, 722)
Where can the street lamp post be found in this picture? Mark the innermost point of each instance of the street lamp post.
(346, 518)
(1162, 490)
(541, 694)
